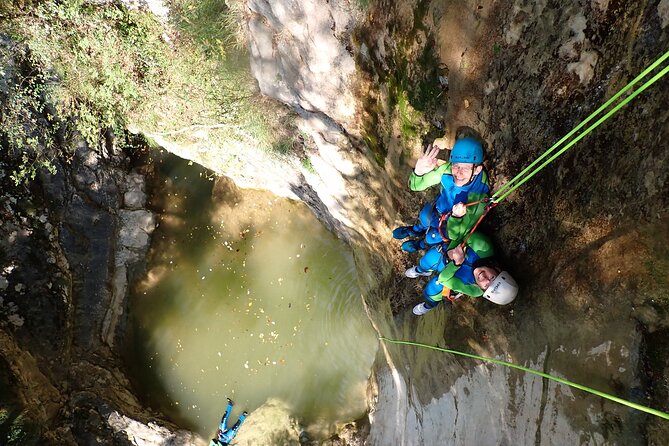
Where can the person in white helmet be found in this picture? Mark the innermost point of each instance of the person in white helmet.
(471, 270)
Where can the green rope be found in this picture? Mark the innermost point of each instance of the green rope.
(591, 128)
(535, 372)
(585, 121)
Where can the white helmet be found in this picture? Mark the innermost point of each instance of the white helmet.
(502, 290)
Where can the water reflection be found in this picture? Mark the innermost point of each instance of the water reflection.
(247, 296)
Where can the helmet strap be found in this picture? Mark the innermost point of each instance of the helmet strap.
(471, 177)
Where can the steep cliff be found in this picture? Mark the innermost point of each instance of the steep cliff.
(71, 242)
(585, 237)
(371, 82)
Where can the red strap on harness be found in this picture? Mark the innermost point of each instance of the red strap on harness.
(445, 216)
(491, 205)
(441, 221)
(453, 297)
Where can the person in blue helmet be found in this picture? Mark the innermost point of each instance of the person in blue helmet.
(224, 435)
(462, 181)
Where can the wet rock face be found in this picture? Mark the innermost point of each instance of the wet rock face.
(302, 54)
(87, 199)
(584, 237)
(69, 243)
(522, 74)
(68, 248)
(614, 178)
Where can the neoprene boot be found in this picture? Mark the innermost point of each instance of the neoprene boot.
(405, 231)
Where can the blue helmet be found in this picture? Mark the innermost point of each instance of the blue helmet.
(467, 150)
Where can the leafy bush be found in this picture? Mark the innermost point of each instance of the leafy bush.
(100, 68)
(27, 128)
(217, 26)
(105, 60)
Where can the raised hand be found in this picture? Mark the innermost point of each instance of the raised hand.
(428, 161)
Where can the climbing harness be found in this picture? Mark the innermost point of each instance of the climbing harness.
(527, 173)
(453, 297)
(444, 217)
(521, 178)
(640, 407)
(443, 220)
(490, 204)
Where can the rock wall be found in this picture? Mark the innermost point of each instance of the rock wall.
(69, 245)
(586, 238)
(71, 242)
(520, 74)
(302, 54)
(299, 55)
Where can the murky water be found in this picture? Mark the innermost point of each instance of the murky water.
(247, 296)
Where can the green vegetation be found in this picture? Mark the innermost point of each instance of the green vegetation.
(17, 428)
(413, 90)
(28, 128)
(284, 146)
(22, 431)
(413, 96)
(308, 166)
(657, 266)
(86, 70)
(101, 64)
(214, 25)
(363, 4)
(409, 117)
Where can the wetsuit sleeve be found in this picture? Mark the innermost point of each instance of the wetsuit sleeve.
(481, 245)
(448, 280)
(419, 183)
(458, 286)
(447, 273)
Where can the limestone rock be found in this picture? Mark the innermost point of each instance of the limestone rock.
(663, 12)
(134, 196)
(150, 434)
(273, 421)
(298, 56)
(157, 7)
(136, 226)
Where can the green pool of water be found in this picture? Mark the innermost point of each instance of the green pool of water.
(247, 296)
